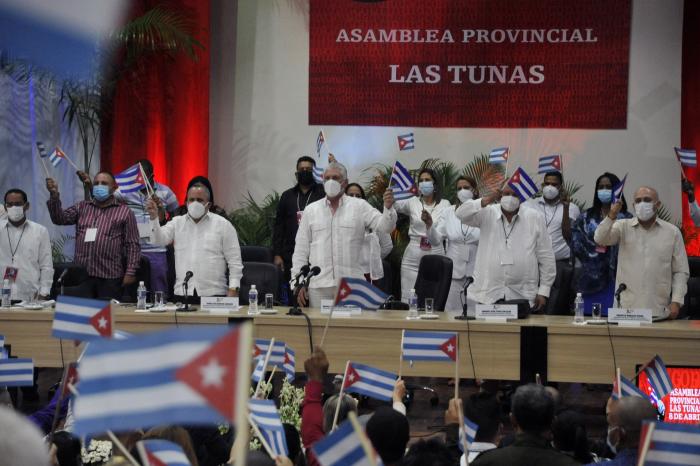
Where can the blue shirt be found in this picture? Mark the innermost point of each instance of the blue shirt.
(626, 457)
(136, 202)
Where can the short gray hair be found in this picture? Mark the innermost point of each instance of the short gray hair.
(346, 405)
(340, 167)
(21, 442)
(201, 186)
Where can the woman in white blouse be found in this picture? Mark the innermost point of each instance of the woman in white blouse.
(423, 210)
(377, 245)
(461, 241)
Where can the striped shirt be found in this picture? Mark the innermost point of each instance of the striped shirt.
(116, 242)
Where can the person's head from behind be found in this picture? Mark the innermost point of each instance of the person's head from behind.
(355, 190)
(532, 409)
(347, 404)
(428, 452)
(335, 180)
(551, 185)
(569, 435)
(20, 441)
(175, 434)
(388, 431)
(484, 410)
(67, 448)
(625, 417)
(305, 170)
(467, 189)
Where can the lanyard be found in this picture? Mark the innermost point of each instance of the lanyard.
(308, 196)
(13, 252)
(512, 225)
(465, 233)
(554, 214)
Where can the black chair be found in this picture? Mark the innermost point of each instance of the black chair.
(385, 283)
(691, 306)
(75, 282)
(256, 254)
(265, 277)
(143, 274)
(434, 280)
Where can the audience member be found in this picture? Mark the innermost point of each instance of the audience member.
(26, 261)
(66, 448)
(652, 261)
(462, 243)
(515, 258)
(376, 246)
(106, 235)
(388, 430)
(558, 215)
(205, 244)
(596, 278)
(175, 434)
(290, 210)
(569, 436)
(532, 410)
(423, 210)
(332, 231)
(427, 452)
(293, 439)
(484, 410)
(21, 443)
(211, 446)
(693, 207)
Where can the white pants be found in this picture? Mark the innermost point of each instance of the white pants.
(410, 262)
(317, 294)
(454, 301)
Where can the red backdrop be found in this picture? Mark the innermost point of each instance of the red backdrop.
(161, 108)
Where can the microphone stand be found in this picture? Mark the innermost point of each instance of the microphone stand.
(186, 307)
(295, 310)
(464, 315)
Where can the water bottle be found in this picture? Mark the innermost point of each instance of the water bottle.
(252, 300)
(141, 297)
(6, 291)
(412, 305)
(578, 308)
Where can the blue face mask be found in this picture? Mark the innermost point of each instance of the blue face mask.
(605, 195)
(100, 192)
(426, 188)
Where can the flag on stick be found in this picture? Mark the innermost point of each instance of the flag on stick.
(522, 185)
(499, 155)
(406, 141)
(82, 319)
(429, 346)
(618, 190)
(625, 387)
(290, 364)
(318, 174)
(43, 154)
(666, 444)
(369, 381)
(467, 434)
(343, 447)
(658, 376)
(16, 372)
(157, 452)
(131, 180)
(549, 163)
(402, 183)
(686, 157)
(264, 415)
(359, 292)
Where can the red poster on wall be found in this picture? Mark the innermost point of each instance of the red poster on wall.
(469, 63)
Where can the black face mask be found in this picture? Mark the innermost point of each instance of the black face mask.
(305, 178)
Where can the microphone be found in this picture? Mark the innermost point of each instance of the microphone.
(62, 276)
(188, 275)
(467, 281)
(315, 270)
(302, 273)
(622, 287)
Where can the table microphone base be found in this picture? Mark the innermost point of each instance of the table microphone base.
(463, 317)
(294, 311)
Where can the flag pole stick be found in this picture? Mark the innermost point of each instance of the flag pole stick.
(62, 390)
(364, 441)
(325, 329)
(619, 383)
(43, 164)
(647, 443)
(403, 333)
(325, 141)
(149, 188)
(457, 370)
(111, 435)
(272, 374)
(264, 443)
(463, 428)
(340, 397)
(68, 158)
(267, 359)
(239, 450)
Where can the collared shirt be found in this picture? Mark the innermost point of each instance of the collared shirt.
(206, 248)
(651, 262)
(332, 241)
(527, 449)
(462, 242)
(475, 449)
(514, 260)
(31, 247)
(553, 217)
(414, 207)
(136, 201)
(286, 220)
(116, 242)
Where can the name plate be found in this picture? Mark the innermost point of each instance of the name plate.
(497, 312)
(632, 317)
(220, 304)
(326, 305)
(342, 311)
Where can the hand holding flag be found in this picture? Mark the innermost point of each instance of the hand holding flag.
(401, 183)
(522, 185)
(618, 190)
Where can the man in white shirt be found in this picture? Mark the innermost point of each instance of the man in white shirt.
(331, 235)
(651, 261)
(205, 244)
(559, 214)
(25, 250)
(515, 258)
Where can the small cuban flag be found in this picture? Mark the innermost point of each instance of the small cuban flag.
(429, 346)
(402, 183)
(16, 372)
(277, 357)
(467, 434)
(320, 140)
(625, 387)
(658, 376)
(290, 364)
(522, 185)
(57, 156)
(499, 155)
(369, 381)
(406, 141)
(158, 452)
(318, 174)
(343, 447)
(43, 153)
(265, 416)
(130, 180)
(618, 190)
(687, 157)
(549, 163)
(82, 319)
(669, 444)
(359, 292)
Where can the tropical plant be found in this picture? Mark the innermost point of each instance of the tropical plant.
(254, 221)
(58, 247)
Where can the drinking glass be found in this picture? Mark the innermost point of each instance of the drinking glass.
(596, 310)
(269, 301)
(158, 299)
(429, 302)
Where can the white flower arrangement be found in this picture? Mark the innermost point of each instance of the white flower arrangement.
(290, 400)
(98, 452)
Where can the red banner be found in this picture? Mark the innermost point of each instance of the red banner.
(469, 63)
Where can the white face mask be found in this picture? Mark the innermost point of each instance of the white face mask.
(510, 203)
(15, 213)
(644, 210)
(332, 188)
(196, 210)
(465, 195)
(550, 192)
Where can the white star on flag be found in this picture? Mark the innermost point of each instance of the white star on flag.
(212, 373)
(102, 322)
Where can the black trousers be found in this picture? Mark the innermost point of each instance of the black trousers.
(561, 296)
(106, 288)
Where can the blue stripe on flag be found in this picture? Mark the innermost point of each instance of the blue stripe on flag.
(341, 447)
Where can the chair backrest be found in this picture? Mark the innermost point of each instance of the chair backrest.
(256, 254)
(265, 277)
(434, 280)
(75, 283)
(143, 274)
(691, 307)
(694, 265)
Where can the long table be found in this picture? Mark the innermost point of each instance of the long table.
(550, 345)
